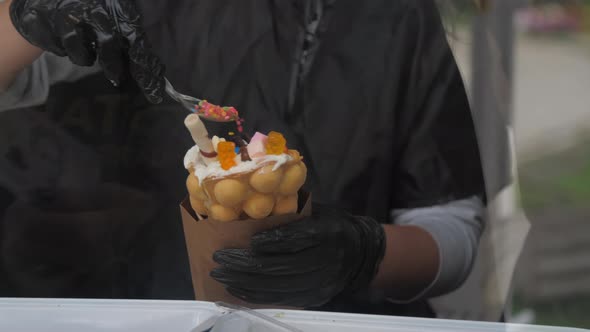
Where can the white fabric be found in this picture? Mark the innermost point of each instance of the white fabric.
(31, 86)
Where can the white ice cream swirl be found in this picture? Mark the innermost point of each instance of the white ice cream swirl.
(193, 159)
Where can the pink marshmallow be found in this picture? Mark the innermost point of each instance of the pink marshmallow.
(257, 146)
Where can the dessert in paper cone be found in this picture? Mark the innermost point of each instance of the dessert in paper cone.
(236, 189)
(254, 180)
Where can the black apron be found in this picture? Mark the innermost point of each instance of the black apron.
(368, 91)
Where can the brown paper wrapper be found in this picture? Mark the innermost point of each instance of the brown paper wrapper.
(206, 236)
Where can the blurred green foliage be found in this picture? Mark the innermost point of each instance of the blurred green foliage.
(565, 313)
(560, 180)
(557, 182)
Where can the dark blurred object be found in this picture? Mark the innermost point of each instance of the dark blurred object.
(73, 242)
(6, 288)
(93, 153)
(87, 31)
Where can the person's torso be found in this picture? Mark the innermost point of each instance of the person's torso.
(333, 96)
(337, 108)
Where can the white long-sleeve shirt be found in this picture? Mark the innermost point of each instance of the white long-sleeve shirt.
(31, 86)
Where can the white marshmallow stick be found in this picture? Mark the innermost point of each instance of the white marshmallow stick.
(201, 137)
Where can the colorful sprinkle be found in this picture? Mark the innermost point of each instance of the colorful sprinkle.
(219, 113)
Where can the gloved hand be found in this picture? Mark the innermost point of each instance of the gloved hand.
(305, 263)
(87, 30)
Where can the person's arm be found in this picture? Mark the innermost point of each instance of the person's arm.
(438, 169)
(17, 53)
(411, 259)
(430, 251)
(87, 32)
(442, 240)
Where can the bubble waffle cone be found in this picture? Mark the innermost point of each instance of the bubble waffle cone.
(225, 212)
(237, 187)
(267, 190)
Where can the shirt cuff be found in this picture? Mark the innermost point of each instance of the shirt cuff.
(30, 87)
(15, 92)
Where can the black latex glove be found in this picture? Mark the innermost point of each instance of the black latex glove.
(305, 263)
(88, 30)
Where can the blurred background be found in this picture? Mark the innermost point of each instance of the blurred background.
(542, 54)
